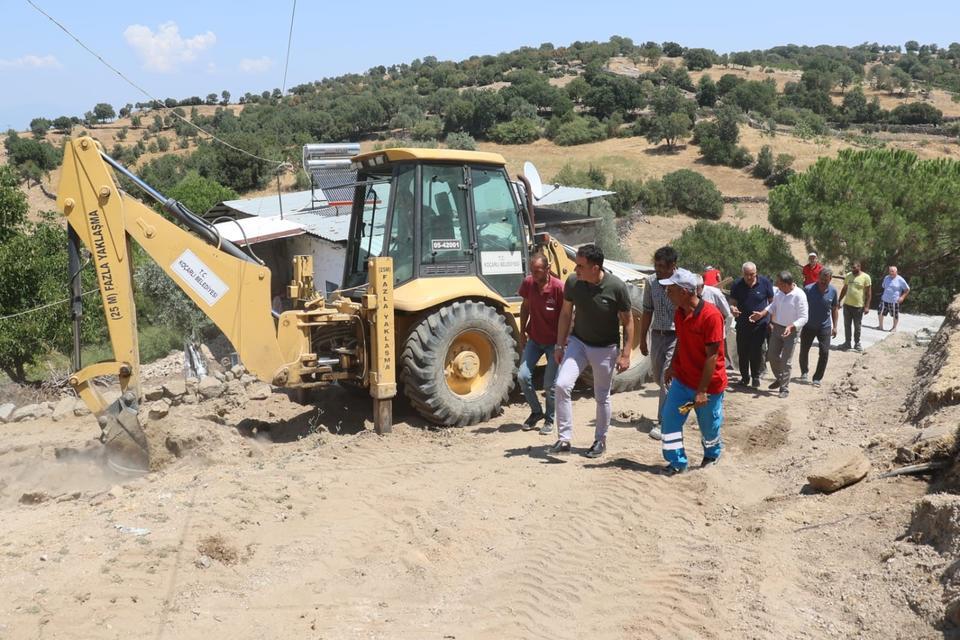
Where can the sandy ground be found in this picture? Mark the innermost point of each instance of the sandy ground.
(298, 521)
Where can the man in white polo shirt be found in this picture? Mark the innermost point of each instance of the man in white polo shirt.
(788, 313)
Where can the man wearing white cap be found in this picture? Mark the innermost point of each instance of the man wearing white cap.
(811, 270)
(697, 376)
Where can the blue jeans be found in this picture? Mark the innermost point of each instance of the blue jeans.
(531, 355)
(709, 416)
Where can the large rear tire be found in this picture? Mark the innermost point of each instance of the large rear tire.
(459, 364)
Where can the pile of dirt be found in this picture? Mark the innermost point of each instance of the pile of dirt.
(933, 407)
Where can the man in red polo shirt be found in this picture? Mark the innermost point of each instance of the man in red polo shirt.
(697, 376)
(811, 270)
(542, 295)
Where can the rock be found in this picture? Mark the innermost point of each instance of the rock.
(174, 388)
(63, 408)
(936, 521)
(80, 408)
(228, 376)
(247, 379)
(234, 388)
(153, 393)
(843, 467)
(6, 411)
(203, 562)
(192, 384)
(211, 387)
(28, 412)
(189, 399)
(159, 409)
(260, 391)
(34, 497)
(951, 612)
(219, 375)
(237, 370)
(116, 491)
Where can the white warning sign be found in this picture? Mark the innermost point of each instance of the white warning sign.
(199, 277)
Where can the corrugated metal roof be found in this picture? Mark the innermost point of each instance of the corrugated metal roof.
(265, 207)
(253, 230)
(332, 227)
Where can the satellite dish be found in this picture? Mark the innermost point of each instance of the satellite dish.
(536, 184)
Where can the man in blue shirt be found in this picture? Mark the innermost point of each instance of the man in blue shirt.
(823, 303)
(895, 290)
(748, 294)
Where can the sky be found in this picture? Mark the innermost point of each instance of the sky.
(180, 49)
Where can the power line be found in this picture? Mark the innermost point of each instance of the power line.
(289, 42)
(44, 306)
(147, 93)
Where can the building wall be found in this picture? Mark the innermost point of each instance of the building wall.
(328, 258)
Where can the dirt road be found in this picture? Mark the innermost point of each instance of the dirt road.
(318, 528)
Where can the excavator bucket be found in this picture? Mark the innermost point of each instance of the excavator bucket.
(127, 448)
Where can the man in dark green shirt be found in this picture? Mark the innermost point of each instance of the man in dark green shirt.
(602, 306)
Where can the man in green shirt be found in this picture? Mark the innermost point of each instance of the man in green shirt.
(855, 295)
(602, 306)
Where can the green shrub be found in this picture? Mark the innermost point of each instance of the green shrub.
(627, 195)
(741, 158)
(727, 247)
(764, 166)
(156, 341)
(462, 141)
(580, 130)
(592, 178)
(427, 129)
(690, 192)
(519, 131)
(654, 198)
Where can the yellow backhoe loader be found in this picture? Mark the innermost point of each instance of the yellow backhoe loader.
(439, 243)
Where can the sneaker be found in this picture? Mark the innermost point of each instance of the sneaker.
(744, 382)
(845, 346)
(858, 348)
(655, 433)
(546, 429)
(816, 383)
(597, 449)
(559, 447)
(709, 462)
(803, 377)
(755, 383)
(784, 393)
(531, 422)
(670, 470)
(774, 385)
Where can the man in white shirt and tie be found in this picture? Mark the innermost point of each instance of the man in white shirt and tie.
(788, 313)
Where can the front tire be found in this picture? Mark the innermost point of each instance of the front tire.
(459, 364)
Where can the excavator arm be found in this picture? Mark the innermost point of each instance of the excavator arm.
(230, 287)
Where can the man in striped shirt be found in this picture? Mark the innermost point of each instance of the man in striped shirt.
(657, 319)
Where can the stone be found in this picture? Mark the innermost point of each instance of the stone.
(211, 387)
(228, 376)
(843, 467)
(248, 379)
(237, 370)
(159, 409)
(192, 384)
(80, 408)
(234, 388)
(63, 408)
(260, 391)
(6, 411)
(189, 399)
(951, 612)
(174, 388)
(28, 412)
(219, 375)
(153, 393)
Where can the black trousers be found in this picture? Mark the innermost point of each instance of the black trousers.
(854, 316)
(750, 337)
(823, 343)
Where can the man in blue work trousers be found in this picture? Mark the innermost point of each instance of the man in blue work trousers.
(697, 376)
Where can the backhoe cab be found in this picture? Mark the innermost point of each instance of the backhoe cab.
(439, 244)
